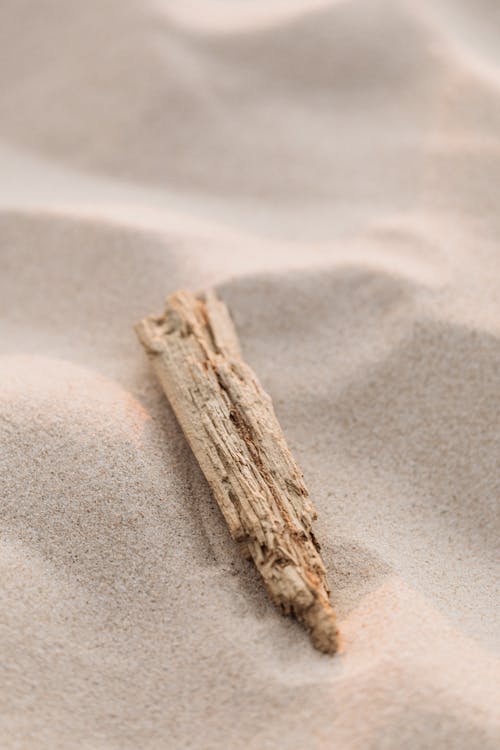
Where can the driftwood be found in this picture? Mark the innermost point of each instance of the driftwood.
(233, 431)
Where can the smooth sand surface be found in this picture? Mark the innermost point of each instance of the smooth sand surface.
(333, 168)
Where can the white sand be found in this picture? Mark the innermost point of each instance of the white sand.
(334, 168)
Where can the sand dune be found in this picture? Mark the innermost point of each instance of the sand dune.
(332, 168)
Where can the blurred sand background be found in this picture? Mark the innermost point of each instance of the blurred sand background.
(333, 167)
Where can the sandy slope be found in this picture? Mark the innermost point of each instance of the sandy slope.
(333, 168)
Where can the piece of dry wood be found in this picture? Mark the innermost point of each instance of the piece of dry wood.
(233, 431)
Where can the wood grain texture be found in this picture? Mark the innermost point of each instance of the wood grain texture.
(233, 431)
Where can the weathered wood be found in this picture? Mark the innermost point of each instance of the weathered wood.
(233, 431)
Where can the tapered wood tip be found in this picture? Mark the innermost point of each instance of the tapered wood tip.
(321, 624)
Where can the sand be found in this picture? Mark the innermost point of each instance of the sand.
(332, 168)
